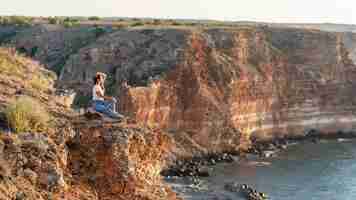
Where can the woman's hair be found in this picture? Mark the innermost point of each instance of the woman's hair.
(96, 79)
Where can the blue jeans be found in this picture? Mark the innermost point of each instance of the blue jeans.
(106, 107)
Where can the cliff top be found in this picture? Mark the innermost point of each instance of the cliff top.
(70, 21)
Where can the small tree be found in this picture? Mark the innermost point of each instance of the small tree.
(94, 18)
(137, 24)
(54, 20)
(70, 22)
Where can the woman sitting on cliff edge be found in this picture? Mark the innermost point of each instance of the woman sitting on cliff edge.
(101, 103)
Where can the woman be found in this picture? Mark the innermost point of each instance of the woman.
(102, 103)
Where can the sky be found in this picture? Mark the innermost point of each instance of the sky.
(289, 11)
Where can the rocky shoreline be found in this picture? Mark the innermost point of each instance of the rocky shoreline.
(199, 167)
(246, 191)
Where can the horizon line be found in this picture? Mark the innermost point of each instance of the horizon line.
(183, 19)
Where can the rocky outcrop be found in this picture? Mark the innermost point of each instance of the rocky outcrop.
(74, 158)
(32, 165)
(245, 191)
(120, 161)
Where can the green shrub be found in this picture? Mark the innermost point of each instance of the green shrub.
(70, 19)
(137, 24)
(26, 114)
(69, 22)
(94, 18)
(54, 20)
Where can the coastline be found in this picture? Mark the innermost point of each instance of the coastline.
(196, 187)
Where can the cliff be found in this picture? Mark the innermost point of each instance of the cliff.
(263, 82)
(192, 91)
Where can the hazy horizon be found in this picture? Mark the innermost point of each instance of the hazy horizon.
(280, 11)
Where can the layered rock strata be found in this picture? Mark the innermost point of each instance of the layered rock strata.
(264, 82)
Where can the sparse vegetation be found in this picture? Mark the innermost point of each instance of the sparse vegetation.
(27, 114)
(54, 20)
(66, 22)
(8, 64)
(137, 24)
(117, 23)
(118, 26)
(70, 22)
(94, 18)
(14, 64)
(71, 19)
(16, 20)
(40, 82)
(156, 22)
(175, 23)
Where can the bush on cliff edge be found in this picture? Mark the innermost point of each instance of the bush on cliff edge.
(40, 81)
(27, 114)
(9, 64)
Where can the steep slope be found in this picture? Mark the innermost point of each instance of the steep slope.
(74, 158)
(31, 163)
(266, 82)
(53, 44)
(22, 76)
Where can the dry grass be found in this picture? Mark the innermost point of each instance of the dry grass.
(9, 64)
(13, 64)
(26, 114)
(40, 82)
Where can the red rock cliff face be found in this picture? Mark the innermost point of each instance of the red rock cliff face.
(266, 84)
(220, 87)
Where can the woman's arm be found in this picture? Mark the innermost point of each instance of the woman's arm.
(100, 93)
